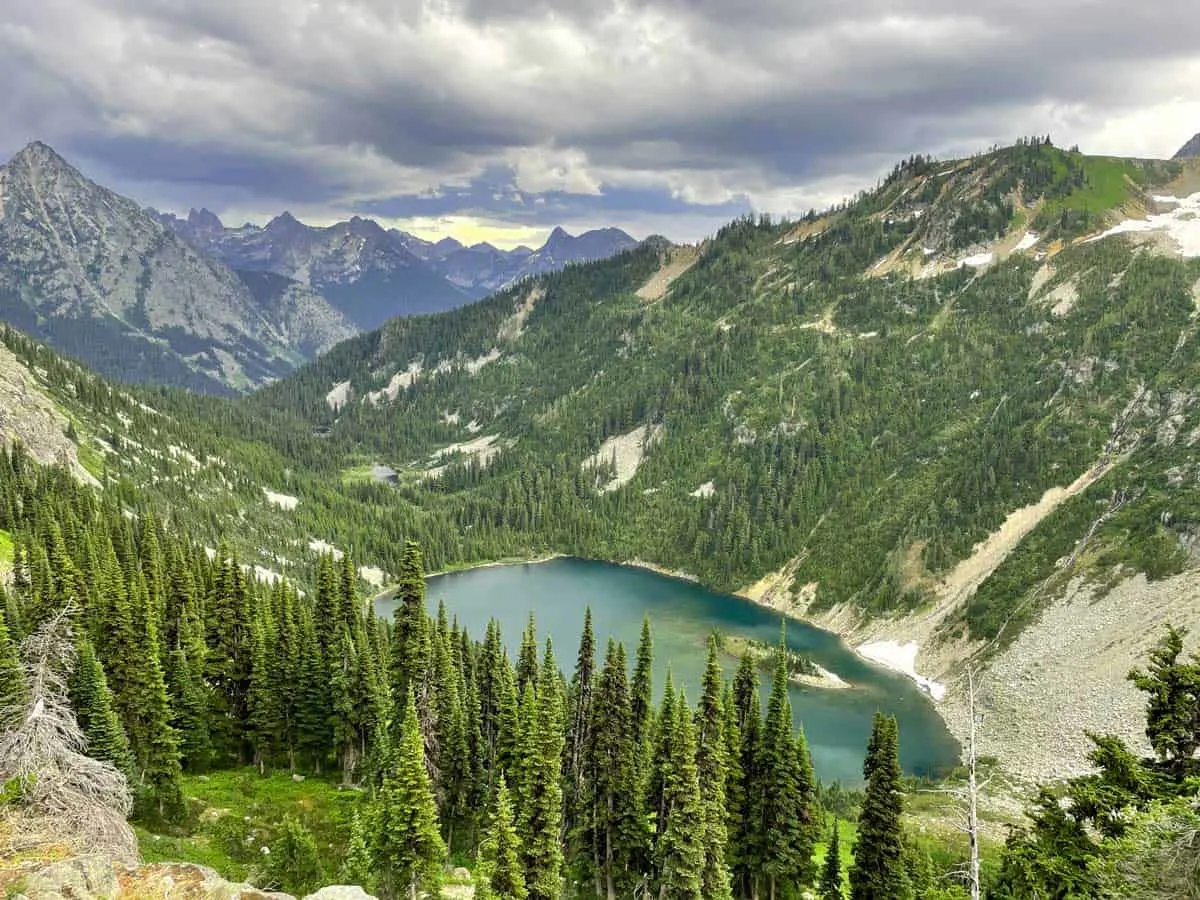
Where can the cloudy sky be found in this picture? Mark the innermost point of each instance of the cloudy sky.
(498, 119)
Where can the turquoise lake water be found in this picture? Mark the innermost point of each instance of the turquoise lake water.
(682, 615)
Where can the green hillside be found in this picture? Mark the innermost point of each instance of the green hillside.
(835, 394)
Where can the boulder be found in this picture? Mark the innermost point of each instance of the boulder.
(340, 892)
(79, 878)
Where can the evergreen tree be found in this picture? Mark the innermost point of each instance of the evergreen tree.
(711, 766)
(356, 864)
(502, 873)
(642, 697)
(93, 702)
(266, 723)
(408, 850)
(878, 869)
(12, 678)
(783, 807)
(155, 743)
(294, 863)
(747, 852)
(579, 719)
(1173, 707)
(681, 848)
(527, 662)
(610, 833)
(409, 659)
(541, 812)
(831, 872)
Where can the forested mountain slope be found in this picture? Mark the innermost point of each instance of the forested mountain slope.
(867, 394)
(943, 402)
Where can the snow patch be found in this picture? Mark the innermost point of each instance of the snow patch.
(283, 501)
(1026, 242)
(705, 490)
(979, 259)
(901, 658)
(1181, 224)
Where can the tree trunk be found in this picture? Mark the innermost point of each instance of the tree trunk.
(972, 790)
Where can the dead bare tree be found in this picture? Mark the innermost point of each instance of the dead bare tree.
(66, 797)
(967, 796)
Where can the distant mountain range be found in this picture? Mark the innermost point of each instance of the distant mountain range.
(93, 274)
(145, 296)
(372, 274)
(1190, 149)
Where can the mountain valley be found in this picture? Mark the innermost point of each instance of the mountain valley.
(954, 420)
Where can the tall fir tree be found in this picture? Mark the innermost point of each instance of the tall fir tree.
(779, 791)
(579, 721)
(681, 849)
(408, 851)
(94, 710)
(747, 852)
(711, 766)
(502, 871)
(610, 831)
(409, 644)
(541, 813)
(12, 679)
(831, 872)
(878, 870)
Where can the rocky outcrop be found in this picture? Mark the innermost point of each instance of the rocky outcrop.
(99, 878)
(28, 416)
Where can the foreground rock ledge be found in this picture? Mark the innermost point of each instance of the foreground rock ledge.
(99, 878)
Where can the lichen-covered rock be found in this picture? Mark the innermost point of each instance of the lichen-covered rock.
(99, 878)
(79, 878)
(340, 892)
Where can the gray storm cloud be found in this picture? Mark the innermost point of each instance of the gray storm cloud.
(676, 108)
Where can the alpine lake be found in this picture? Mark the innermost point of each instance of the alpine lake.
(682, 615)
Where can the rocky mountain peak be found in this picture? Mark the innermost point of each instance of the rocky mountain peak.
(1190, 149)
(205, 224)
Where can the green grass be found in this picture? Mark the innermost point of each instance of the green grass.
(6, 549)
(358, 474)
(91, 459)
(847, 831)
(1108, 187)
(234, 814)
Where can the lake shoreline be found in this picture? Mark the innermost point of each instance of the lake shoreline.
(827, 680)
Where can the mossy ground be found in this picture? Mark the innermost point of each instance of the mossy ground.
(234, 814)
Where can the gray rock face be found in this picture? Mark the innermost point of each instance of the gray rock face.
(1190, 149)
(30, 417)
(95, 275)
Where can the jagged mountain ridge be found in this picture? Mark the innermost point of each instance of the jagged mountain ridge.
(93, 274)
(373, 274)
